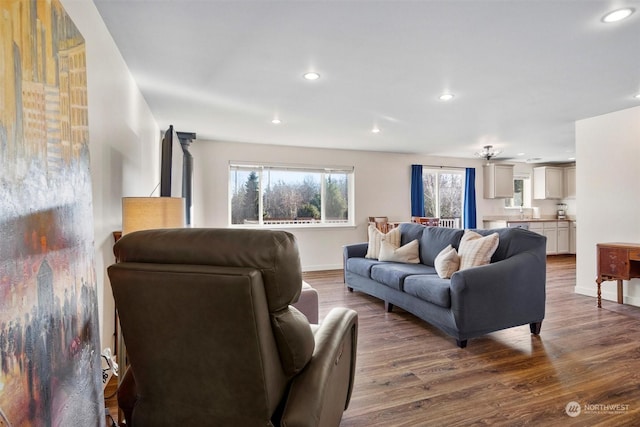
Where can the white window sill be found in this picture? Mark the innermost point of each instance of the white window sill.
(294, 226)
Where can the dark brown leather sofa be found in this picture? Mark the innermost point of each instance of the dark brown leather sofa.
(212, 339)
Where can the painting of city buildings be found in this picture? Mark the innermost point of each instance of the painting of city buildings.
(49, 345)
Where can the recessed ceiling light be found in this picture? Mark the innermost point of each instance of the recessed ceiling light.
(618, 15)
(571, 158)
(276, 121)
(311, 75)
(521, 154)
(375, 130)
(637, 96)
(446, 97)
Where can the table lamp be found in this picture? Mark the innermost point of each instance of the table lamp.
(146, 213)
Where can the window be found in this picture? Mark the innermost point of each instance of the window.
(521, 193)
(285, 195)
(444, 194)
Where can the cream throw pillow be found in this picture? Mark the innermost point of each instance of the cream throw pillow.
(476, 249)
(375, 240)
(409, 253)
(447, 262)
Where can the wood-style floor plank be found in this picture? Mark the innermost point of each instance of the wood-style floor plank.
(411, 374)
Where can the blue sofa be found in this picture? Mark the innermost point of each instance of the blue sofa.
(508, 292)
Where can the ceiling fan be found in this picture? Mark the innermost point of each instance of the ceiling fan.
(488, 152)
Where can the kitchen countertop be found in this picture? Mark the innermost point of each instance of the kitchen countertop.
(525, 219)
(537, 220)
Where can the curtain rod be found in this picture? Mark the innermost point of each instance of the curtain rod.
(443, 167)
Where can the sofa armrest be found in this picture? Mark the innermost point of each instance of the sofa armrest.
(321, 392)
(500, 295)
(356, 250)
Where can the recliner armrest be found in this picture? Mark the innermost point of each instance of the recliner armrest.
(127, 394)
(321, 392)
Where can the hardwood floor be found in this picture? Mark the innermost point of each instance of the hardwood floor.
(411, 374)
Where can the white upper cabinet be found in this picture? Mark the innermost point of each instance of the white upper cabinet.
(498, 181)
(570, 182)
(548, 182)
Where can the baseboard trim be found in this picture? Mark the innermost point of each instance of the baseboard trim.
(321, 267)
(607, 295)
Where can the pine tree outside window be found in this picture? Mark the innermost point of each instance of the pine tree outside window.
(277, 196)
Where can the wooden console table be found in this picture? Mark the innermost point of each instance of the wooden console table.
(617, 261)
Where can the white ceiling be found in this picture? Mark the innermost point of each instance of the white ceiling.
(522, 71)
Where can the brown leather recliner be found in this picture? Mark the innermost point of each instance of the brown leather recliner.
(212, 339)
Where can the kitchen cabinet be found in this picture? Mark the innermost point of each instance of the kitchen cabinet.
(550, 230)
(563, 237)
(557, 234)
(497, 181)
(548, 182)
(490, 225)
(570, 182)
(536, 227)
(572, 238)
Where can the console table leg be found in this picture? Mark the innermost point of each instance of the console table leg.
(619, 291)
(599, 282)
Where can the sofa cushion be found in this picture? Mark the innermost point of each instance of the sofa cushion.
(409, 253)
(410, 231)
(392, 274)
(435, 239)
(512, 241)
(476, 249)
(430, 288)
(361, 266)
(447, 262)
(375, 240)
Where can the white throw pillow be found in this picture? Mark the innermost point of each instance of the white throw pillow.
(476, 249)
(409, 253)
(375, 240)
(447, 262)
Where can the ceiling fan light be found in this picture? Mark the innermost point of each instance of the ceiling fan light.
(488, 152)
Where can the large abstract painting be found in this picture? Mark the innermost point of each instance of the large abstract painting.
(49, 345)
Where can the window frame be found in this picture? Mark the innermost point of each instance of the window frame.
(446, 170)
(527, 195)
(325, 171)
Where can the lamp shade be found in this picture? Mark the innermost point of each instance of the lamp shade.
(146, 213)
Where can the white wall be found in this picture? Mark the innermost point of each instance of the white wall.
(123, 143)
(608, 194)
(382, 188)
